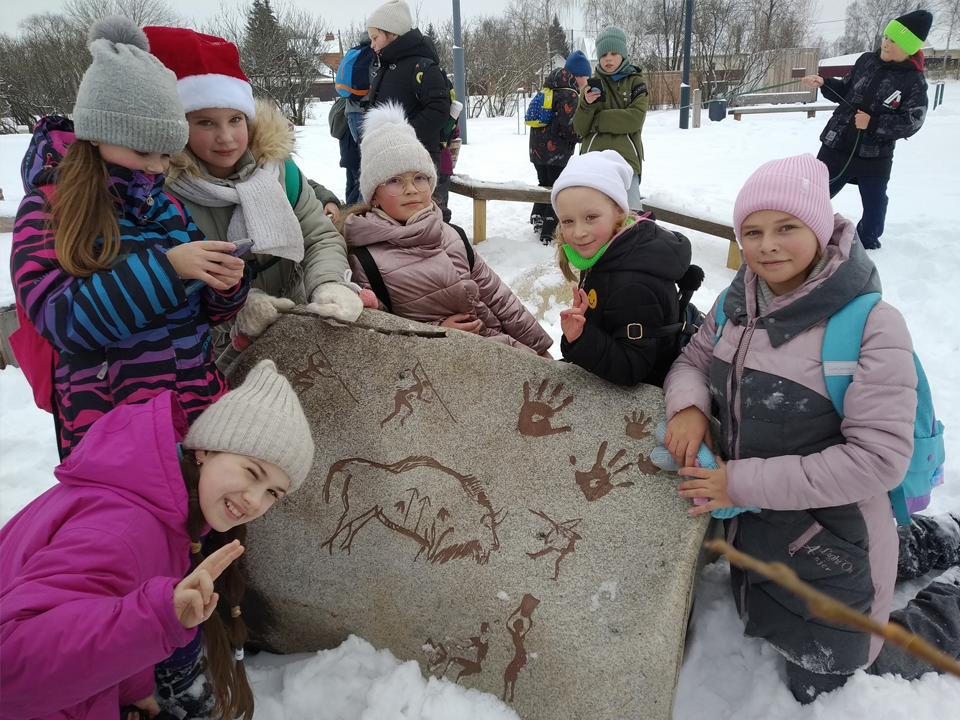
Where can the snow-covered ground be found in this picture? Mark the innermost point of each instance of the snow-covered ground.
(699, 172)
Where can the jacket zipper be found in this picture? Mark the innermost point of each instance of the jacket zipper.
(804, 539)
(103, 371)
(738, 377)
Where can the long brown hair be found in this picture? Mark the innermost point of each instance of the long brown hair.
(568, 270)
(359, 209)
(222, 636)
(82, 211)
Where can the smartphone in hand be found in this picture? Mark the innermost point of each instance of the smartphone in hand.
(594, 84)
(243, 244)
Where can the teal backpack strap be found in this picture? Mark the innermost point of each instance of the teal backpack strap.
(841, 346)
(720, 316)
(291, 181)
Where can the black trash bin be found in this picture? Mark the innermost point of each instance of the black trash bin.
(718, 110)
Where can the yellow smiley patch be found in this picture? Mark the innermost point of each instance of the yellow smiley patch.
(419, 77)
(592, 299)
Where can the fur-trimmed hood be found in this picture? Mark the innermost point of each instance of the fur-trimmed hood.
(271, 137)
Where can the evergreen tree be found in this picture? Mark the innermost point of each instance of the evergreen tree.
(263, 38)
(431, 33)
(558, 38)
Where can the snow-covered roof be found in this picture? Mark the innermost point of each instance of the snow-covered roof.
(589, 48)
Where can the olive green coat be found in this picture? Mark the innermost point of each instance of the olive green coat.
(614, 121)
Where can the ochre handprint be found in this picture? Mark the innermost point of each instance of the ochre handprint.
(597, 482)
(638, 426)
(646, 465)
(536, 413)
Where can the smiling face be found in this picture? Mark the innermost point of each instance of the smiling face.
(611, 61)
(779, 248)
(891, 52)
(235, 489)
(218, 137)
(151, 163)
(414, 197)
(588, 219)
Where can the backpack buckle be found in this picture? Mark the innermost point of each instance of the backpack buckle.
(634, 337)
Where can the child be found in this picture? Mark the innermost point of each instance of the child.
(233, 178)
(821, 482)
(406, 70)
(629, 272)
(423, 262)
(552, 145)
(883, 99)
(106, 266)
(92, 571)
(612, 118)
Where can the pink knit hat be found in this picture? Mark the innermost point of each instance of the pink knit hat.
(797, 185)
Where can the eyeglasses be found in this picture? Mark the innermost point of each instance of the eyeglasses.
(396, 185)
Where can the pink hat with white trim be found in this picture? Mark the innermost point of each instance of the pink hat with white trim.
(207, 69)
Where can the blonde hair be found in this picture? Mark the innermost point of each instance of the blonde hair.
(361, 208)
(82, 211)
(568, 270)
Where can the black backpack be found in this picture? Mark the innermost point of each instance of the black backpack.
(376, 279)
(690, 317)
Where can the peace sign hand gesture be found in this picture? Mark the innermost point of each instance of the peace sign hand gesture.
(193, 598)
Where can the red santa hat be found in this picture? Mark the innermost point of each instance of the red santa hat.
(207, 69)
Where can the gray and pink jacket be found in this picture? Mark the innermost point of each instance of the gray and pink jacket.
(426, 271)
(821, 482)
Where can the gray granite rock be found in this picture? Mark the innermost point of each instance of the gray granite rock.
(489, 513)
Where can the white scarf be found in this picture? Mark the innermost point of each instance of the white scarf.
(262, 213)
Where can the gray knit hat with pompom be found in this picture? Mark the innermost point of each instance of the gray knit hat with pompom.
(127, 97)
(262, 419)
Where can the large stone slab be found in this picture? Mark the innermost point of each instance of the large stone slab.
(491, 514)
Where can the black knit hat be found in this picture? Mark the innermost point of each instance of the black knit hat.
(910, 30)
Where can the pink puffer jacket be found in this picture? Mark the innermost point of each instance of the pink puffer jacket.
(425, 269)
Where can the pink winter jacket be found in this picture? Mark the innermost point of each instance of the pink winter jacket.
(87, 571)
(790, 453)
(425, 269)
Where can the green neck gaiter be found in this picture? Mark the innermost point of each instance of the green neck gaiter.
(582, 263)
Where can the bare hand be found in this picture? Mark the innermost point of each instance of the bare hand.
(812, 81)
(546, 354)
(207, 260)
(685, 431)
(462, 321)
(573, 320)
(149, 705)
(331, 210)
(591, 96)
(711, 484)
(861, 120)
(193, 598)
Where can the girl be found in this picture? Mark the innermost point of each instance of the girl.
(236, 178)
(821, 482)
(629, 272)
(422, 262)
(93, 570)
(106, 266)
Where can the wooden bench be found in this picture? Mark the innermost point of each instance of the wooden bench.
(481, 191)
(810, 110)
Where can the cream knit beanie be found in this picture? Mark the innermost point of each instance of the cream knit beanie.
(262, 419)
(393, 16)
(390, 147)
(605, 171)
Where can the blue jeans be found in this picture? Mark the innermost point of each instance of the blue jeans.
(353, 186)
(353, 122)
(873, 194)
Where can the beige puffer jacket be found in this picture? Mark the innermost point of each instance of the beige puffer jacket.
(427, 274)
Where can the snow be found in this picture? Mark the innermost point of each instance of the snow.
(698, 172)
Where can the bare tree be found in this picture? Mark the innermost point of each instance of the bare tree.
(143, 12)
(948, 15)
(866, 20)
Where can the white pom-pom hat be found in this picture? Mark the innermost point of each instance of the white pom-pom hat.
(390, 147)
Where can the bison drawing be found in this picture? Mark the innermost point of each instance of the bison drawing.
(446, 514)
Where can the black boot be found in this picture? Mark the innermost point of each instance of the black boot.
(931, 543)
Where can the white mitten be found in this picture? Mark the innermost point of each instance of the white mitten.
(337, 301)
(258, 313)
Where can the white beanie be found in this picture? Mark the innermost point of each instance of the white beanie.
(390, 147)
(393, 17)
(605, 171)
(261, 419)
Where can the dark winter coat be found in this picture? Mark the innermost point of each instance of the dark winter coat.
(632, 286)
(399, 73)
(615, 120)
(555, 143)
(821, 481)
(127, 333)
(894, 94)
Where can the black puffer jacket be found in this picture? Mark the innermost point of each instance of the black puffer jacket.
(894, 94)
(399, 73)
(632, 287)
(555, 143)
